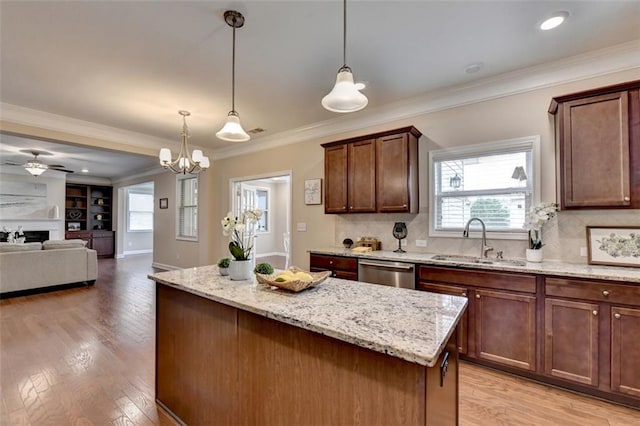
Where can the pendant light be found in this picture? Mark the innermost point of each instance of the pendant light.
(186, 162)
(345, 96)
(232, 131)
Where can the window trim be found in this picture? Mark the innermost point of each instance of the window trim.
(179, 179)
(475, 150)
(128, 215)
(268, 210)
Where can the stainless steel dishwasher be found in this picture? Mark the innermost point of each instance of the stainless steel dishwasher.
(394, 274)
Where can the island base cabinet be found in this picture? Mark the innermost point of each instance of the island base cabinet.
(625, 350)
(216, 364)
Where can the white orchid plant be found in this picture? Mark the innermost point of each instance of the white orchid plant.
(537, 217)
(241, 231)
(14, 236)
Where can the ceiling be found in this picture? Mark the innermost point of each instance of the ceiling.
(133, 65)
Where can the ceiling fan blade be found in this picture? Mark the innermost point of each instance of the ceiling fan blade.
(60, 169)
(55, 166)
(12, 163)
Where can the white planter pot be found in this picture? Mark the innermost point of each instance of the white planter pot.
(240, 270)
(534, 255)
(223, 271)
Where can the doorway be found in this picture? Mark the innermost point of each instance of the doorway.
(137, 205)
(272, 194)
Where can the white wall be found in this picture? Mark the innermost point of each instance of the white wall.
(43, 219)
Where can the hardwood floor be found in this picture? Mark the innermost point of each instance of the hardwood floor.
(86, 356)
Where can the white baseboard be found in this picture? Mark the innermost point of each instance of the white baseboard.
(164, 267)
(130, 252)
(275, 253)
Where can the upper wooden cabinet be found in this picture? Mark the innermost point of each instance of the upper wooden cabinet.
(373, 173)
(598, 147)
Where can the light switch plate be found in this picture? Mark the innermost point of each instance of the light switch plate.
(583, 251)
(421, 243)
(302, 227)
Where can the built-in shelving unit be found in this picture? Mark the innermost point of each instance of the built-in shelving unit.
(89, 216)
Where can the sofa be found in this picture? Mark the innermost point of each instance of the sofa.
(30, 267)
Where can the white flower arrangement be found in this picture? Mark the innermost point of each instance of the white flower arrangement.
(241, 232)
(14, 236)
(537, 217)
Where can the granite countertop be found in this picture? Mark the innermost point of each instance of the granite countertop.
(407, 324)
(612, 273)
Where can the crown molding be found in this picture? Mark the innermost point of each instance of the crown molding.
(596, 63)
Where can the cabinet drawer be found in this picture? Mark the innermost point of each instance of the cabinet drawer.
(478, 278)
(349, 264)
(442, 288)
(598, 291)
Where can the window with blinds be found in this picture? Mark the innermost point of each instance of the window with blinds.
(495, 182)
(140, 212)
(187, 205)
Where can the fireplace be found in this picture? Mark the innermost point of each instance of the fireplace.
(31, 236)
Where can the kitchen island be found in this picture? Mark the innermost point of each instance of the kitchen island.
(237, 352)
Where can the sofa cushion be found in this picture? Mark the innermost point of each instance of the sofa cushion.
(10, 247)
(63, 244)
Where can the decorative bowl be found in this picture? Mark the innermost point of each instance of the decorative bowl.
(295, 285)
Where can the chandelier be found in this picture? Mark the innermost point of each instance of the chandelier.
(345, 95)
(186, 162)
(35, 166)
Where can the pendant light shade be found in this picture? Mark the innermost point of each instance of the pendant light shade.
(232, 130)
(345, 95)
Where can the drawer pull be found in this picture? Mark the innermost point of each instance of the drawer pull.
(595, 313)
(617, 316)
(627, 199)
(464, 294)
(605, 293)
(331, 262)
(477, 296)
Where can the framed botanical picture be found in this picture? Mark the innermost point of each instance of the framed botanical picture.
(313, 191)
(614, 245)
(164, 203)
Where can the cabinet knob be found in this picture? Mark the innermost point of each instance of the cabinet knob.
(627, 199)
(477, 296)
(404, 205)
(595, 313)
(605, 293)
(333, 274)
(351, 207)
(464, 294)
(331, 262)
(617, 316)
(344, 207)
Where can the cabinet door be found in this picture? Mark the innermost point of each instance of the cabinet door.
(506, 328)
(335, 179)
(571, 343)
(594, 151)
(625, 350)
(362, 176)
(103, 245)
(464, 321)
(393, 172)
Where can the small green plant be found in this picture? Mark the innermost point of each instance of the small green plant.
(263, 268)
(224, 262)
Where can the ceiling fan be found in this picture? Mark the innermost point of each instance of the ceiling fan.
(37, 167)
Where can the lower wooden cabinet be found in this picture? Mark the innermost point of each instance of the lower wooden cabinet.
(625, 350)
(340, 266)
(499, 325)
(571, 340)
(506, 328)
(101, 241)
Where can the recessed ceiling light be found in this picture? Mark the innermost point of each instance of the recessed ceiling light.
(85, 170)
(473, 68)
(555, 20)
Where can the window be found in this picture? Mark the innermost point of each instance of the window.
(262, 202)
(140, 211)
(496, 182)
(187, 205)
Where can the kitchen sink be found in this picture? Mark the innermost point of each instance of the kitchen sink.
(477, 260)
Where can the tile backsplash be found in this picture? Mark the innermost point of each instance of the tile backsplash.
(563, 236)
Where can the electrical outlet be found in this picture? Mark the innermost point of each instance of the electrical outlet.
(302, 227)
(583, 251)
(421, 243)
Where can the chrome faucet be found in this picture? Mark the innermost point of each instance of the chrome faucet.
(485, 248)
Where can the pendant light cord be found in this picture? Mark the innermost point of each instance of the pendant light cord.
(233, 69)
(344, 33)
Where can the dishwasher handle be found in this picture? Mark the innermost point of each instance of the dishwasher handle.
(405, 267)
